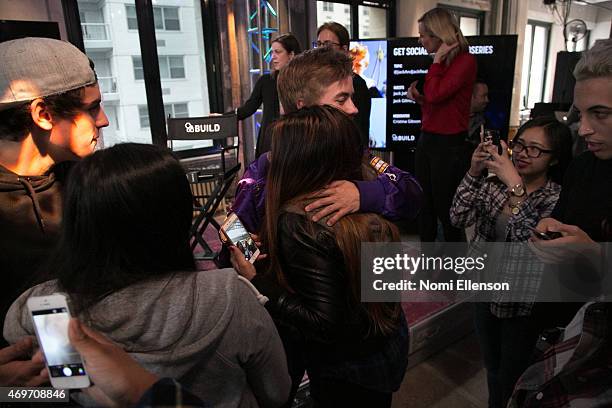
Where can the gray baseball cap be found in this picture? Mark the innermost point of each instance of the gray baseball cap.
(35, 67)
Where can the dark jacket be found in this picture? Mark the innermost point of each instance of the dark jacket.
(363, 101)
(264, 91)
(319, 318)
(30, 216)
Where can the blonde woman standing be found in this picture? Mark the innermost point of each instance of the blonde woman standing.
(441, 156)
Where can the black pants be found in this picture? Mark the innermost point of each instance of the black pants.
(507, 346)
(326, 392)
(441, 163)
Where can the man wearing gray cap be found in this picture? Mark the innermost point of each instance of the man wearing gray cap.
(50, 112)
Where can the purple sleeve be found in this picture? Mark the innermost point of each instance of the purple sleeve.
(394, 194)
(249, 202)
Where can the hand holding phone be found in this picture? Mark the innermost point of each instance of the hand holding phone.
(232, 232)
(546, 236)
(50, 315)
(118, 379)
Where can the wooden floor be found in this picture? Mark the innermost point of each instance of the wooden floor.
(452, 378)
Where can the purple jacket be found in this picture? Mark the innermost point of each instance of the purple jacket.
(395, 194)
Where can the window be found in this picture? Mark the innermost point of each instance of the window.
(144, 116)
(535, 54)
(327, 6)
(325, 13)
(469, 25)
(130, 12)
(471, 21)
(374, 24)
(170, 67)
(166, 18)
(138, 71)
(120, 66)
(176, 110)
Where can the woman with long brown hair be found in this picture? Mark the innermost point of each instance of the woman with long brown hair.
(355, 353)
(283, 49)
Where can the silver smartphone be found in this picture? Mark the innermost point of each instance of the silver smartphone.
(50, 315)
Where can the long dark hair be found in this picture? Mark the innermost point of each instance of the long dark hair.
(311, 148)
(126, 215)
(289, 42)
(560, 138)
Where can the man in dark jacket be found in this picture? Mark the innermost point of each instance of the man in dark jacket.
(50, 113)
(336, 36)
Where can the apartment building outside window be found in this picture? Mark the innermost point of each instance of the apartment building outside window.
(176, 110)
(166, 18)
(170, 67)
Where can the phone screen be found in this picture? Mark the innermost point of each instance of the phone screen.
(241, 238)
(52, 328)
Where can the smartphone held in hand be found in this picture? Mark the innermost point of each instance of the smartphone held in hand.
(493, 136)
(545, 236)
(232, 232)
(50, 316)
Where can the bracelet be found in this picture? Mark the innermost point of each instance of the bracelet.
(514, 208)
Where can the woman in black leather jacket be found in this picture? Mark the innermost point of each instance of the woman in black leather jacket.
(355, 353)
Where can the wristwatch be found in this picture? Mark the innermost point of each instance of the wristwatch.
(518, 190)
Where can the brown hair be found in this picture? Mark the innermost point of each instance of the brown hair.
(289, 43)
(309, 74)
(440, 23)
(339, 30)
(16, 123)
(311, 148)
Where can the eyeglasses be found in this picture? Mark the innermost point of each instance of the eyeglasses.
(317, 44)
(532, 151)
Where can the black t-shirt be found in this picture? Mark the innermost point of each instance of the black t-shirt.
(586, 196)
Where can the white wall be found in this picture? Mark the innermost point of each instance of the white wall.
(596, 19)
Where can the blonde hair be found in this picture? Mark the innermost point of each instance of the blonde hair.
(440, 23)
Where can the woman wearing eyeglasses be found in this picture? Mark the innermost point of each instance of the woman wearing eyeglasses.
(505, 208)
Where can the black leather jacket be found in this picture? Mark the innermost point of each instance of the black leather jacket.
(319, 311)
(318, 318)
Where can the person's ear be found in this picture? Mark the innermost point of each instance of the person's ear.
(41, 115)
(300, 103)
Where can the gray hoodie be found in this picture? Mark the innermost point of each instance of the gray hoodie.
(205, 329)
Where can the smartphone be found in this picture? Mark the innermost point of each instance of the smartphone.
(494, 137)
(50, 315)
(546, 236)
(232, 232)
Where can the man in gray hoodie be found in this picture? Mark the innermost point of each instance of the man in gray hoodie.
(50, 113)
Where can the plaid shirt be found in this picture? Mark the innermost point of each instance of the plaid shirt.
(577, 370)
(480, 201)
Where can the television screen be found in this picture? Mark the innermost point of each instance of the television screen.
(390, 66)
(370, 62)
